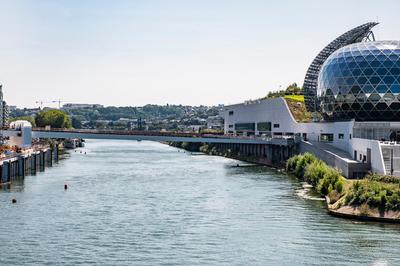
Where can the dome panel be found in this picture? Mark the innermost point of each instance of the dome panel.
(367, 77)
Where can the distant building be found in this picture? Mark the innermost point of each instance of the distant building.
(215, 122)
(81, 106)
(12, 107)
(4, 113)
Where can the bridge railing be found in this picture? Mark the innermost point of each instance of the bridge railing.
(130, 132)
(164, 133)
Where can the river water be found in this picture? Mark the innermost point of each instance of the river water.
(144, 203)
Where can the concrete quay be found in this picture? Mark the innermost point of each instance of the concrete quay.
(27, 164)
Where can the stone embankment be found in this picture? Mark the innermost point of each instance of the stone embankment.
(27, 162)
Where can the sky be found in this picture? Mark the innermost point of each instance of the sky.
(204, 52)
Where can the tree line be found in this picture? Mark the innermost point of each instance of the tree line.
(52, 118)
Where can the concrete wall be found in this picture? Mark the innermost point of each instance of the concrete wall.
(349, 168)
(376, 158)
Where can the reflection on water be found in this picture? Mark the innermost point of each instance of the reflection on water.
(146, 203)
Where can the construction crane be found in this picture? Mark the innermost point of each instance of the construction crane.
(41, 104)
(59, 101)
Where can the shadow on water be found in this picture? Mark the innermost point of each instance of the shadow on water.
(17, 185)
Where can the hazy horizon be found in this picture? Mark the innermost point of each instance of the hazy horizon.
(132, 53)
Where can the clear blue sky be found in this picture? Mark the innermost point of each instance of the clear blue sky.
(178, 52)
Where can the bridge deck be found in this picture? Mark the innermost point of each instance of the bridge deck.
(153, 136)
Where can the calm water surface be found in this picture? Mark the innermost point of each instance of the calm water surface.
(143, 203)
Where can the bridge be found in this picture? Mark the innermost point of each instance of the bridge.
(258, 149)
(158, 136)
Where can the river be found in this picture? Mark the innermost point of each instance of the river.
(145, 203)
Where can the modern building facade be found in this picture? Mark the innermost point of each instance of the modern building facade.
(355, 84)
(355, 35)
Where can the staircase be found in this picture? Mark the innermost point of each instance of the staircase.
(386, 160)
(390, 150)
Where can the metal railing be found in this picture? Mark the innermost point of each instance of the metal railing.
(166, 134)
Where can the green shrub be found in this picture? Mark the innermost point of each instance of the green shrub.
(383, 178)
(327, 183)
(374, 194)
(339, 186)
(302, 162)
(292, 162)
(315, 171)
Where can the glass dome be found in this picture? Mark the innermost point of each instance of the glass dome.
(361, 81)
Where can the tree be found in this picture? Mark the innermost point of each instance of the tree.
(293, 89)
(53, 118)
(76, 122)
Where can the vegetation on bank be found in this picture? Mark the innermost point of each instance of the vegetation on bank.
(326, 180)
(377, 191)
(206, 148)
(52, 118)
(373, 192)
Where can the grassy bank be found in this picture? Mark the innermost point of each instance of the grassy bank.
(375, 196)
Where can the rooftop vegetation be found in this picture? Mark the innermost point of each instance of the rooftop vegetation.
(294, 97)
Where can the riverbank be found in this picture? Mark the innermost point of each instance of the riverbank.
(28, 162)
(256, 155)
(375, 198)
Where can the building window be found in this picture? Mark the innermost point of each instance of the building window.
(264, 126)
(230, 126)
(341, 136)
(245, 126)
(326, 137)
(276, 125)
(350, 136)
(230, 112)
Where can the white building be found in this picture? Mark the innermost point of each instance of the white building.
(23, 138)
(363, 142)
